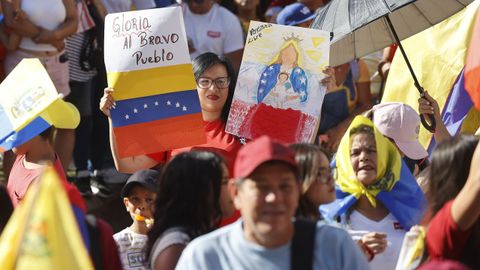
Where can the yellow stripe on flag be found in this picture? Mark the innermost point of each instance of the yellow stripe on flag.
(149, 82)
(42, 232)
(437, 56)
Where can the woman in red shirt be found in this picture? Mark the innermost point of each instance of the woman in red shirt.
(454, 231)
(216, 80)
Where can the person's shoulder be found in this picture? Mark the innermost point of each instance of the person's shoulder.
(224, 12)
(330, 232)
(119, 235)
(209, 242)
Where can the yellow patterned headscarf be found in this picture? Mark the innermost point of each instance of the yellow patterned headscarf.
(388, 165)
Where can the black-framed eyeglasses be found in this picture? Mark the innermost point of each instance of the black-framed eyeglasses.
(325, 175)
(221, 82)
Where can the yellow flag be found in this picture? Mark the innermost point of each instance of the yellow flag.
(42, 232)
(437, 56)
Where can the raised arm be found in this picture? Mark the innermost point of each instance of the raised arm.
(128, 164)
(428, 105)
(466, 206)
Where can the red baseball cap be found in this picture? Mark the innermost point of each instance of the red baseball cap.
(259, 151)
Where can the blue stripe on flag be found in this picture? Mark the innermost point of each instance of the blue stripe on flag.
(6, 128)
(158, 107)
(34, 128)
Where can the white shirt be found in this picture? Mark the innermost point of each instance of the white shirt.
(218, 31)
(361, 225)
(131, 249)
(125, 5)
(48, 14)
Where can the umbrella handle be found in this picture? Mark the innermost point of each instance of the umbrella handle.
(431, 124)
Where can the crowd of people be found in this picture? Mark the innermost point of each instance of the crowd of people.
(362, 195)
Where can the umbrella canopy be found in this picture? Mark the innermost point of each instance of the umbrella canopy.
(360, 27)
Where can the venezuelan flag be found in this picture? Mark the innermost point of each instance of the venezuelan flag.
(157, 106)
(42, 232)
(472, 73)
(438, 58)
(29, 104)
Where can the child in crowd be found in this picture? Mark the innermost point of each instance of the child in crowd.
(139, 194)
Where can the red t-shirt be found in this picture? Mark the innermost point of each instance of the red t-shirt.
(445, 240)
(217, 138)
(21, 178)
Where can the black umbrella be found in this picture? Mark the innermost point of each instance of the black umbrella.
(360, 27)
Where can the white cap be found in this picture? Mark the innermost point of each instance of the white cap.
(401, 123)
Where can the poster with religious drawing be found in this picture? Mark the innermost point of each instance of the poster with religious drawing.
(278, 91)
(148, 65)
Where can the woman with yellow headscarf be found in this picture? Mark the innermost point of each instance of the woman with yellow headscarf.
(375, 192)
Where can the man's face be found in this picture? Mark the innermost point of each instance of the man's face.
(268, 199)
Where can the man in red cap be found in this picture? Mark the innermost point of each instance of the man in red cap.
(266, 190)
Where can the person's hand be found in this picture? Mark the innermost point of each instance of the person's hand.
(46, 36)
(334, 136)
(376, 241)
(329, 81)
(107, 102)
(58, 44)
(19, 15)
(428, 105)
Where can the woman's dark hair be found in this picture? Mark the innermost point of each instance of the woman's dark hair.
(449, 169)
(307, 158)
(188, 195)
(450, 165)
(207, 60)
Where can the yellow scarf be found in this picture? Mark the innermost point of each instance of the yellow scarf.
(388, 165)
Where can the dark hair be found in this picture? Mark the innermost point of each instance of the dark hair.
(47, 133)
(207, 60)
(449, 169)
(188, 195)
(307, 156)
(6, 209)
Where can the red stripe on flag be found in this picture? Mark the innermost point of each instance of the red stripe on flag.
(160, 135)
(472, 68)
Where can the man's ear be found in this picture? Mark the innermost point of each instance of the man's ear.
(233, 191)
(125, 202)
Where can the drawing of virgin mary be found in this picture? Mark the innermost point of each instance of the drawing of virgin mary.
(286, 62)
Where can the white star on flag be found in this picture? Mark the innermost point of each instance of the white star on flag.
(261, 90)
(264, 75)
(297, 71)
(145, 106)
(303, 80)
(263, 81)
(156, 103)
(271, 67)
(135, 110)
(127, 116)
(169, 103)
(184, 108)
(177, 104)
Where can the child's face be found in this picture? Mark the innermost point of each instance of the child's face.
(282, 77)
(140, 202)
